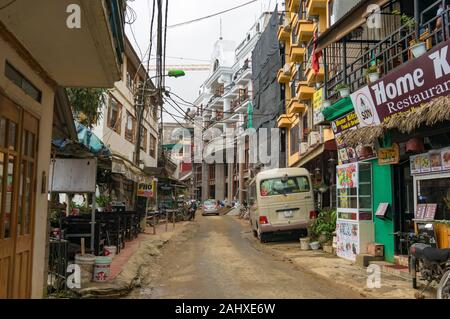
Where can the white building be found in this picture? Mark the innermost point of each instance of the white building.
(118, 126)
(223, 102)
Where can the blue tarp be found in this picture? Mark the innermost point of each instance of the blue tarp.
(88, 139)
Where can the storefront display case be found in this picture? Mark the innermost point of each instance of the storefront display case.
(431, 176)
(355, 228)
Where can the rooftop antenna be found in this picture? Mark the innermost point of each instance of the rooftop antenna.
(220, 37)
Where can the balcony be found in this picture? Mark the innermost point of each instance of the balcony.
(284, 121)
(284, 74)
(293, 5)
(389, 53)
(312, 78)
(316, 7)
(284, 31)
(305, 30)
(305, 92)
(294, 106)
(297, 53)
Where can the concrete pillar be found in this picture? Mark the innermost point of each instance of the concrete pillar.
(242, 186)
(231, 190)
(205, 181)
(220, 181)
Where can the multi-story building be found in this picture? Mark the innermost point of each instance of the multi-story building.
(394, 126)
(223, 103)
(32, 68)
(309, 144)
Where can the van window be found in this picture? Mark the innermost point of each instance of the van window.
(275, 186)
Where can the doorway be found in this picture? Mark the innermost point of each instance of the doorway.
(18, 160)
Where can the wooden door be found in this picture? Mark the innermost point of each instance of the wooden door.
(18, 152)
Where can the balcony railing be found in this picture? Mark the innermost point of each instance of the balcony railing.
(387, 54)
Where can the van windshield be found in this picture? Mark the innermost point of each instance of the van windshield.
(293, 185)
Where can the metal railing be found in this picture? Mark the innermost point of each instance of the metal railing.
(387, 54)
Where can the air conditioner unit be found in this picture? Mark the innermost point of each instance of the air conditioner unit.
(313, 138)
(303, 148)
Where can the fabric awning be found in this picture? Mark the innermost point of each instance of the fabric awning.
(129, 171)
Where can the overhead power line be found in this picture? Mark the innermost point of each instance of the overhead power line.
(211, 15)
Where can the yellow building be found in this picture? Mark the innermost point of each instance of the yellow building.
(305, 139)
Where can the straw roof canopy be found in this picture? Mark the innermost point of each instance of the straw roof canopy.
(430, 113)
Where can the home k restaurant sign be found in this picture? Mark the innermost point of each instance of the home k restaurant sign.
(410, 85)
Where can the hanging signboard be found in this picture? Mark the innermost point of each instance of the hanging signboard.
(70, 175)
(389, 155)
(145, 190)
(318, 116)
(407, 86)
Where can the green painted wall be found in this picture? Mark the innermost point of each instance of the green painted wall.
(382, 193)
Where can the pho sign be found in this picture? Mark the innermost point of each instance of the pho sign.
(145, 190)
(416, 82)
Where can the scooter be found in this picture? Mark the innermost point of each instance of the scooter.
(433, 265)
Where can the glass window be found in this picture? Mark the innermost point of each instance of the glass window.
(114, 115)
(435, 191)
(152, 146)
(9, 196)
(12, 136)
(129, 129)
(276, 186)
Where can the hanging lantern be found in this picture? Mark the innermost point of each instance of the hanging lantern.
(415, 145)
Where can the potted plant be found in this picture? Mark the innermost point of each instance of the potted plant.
(372, 73)
(325, 104)
(343, 89)
(102, 202)
(418, 49)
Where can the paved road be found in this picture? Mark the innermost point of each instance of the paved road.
(219, 258)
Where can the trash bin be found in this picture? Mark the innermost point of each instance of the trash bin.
(102, 268)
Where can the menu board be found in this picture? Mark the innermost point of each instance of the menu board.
(382, 210)
(434, 161)
(430, 211)
(420, 211)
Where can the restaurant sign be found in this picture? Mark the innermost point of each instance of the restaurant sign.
(145, 190)
(410, 85)
(317, 106)
(389, 155)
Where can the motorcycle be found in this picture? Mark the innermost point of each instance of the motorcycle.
(432, 263)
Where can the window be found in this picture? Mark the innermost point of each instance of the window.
(294, 139)
(130, 128)
(114, 115)
(212, 171)
(276, 186)
(21, 81)
(144, 139)
(152, 146)
(131, 74)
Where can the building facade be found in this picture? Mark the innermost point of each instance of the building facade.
(223, 107)
(32, 68)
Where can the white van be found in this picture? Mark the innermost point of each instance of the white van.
(281, 200)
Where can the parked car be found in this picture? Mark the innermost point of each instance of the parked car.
(281, 200)
(210, 207)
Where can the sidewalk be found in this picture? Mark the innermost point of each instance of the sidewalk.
(125, 268)
(339, 270)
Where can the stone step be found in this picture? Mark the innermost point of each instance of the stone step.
(393, 269)
(401, 260)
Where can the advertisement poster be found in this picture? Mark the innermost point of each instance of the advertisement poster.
(445, 156)
(347, 176)
(436, 161)
(347, 240)
(145, 190)
(317, 107)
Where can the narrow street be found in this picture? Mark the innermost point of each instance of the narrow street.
(219, 258)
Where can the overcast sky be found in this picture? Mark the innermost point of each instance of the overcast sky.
(196, 40)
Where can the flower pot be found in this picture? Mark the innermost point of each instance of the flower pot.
(344, 92)
(314, 245)
(373, 77)
(326, 104)
(418, 49)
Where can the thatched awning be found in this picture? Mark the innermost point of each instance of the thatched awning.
(429, 114)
